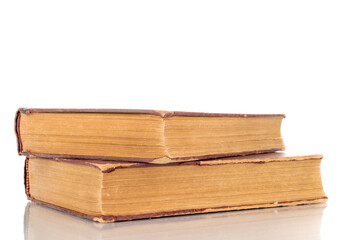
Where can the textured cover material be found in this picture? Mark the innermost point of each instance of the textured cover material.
(107, 167)
(162, 114)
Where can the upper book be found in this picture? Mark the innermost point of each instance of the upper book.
(144, 135)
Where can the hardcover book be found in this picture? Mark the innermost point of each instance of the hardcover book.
(108, 191)
(144, 135)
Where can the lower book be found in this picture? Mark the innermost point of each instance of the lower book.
(108, 191)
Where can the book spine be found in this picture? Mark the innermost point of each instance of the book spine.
(17, 131)
(26, 178)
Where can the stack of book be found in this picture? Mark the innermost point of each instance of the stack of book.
(112, 165)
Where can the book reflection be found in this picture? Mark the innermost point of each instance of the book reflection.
(297, 222)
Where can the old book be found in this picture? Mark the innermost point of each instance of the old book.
(144, 135)
(295, 222)
(108, 191)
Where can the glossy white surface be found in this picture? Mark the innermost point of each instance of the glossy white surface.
(300, 222)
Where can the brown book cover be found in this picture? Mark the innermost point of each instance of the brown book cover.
(144, 135)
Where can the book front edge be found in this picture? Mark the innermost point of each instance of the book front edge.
(163, 114)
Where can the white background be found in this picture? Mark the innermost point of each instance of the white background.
(301, 58)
